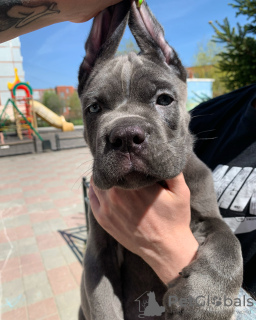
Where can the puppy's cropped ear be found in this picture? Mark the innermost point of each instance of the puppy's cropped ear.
(105, 35)
(149, 36)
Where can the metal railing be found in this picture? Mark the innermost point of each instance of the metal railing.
(86, 186)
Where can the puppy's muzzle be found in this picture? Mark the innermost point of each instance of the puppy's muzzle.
(130, 138)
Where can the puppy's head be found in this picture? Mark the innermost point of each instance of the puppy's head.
(134, 106)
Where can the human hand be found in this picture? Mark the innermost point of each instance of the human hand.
(151, 222)
(83, 10)
(18, 19)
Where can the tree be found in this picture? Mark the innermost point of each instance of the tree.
(206, 65)
(206, 54)
(52, 101)
(238, 59)
(75, 106)
(126, 46)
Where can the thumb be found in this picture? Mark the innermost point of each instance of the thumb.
(177, 185)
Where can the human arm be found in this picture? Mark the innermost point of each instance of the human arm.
(19, 17)
(152, 222)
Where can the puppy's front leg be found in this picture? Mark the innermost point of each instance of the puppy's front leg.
(101, 292)
(207, 286)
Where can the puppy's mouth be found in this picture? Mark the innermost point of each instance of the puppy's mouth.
(128, 171)
(129, 163)
(135, 180)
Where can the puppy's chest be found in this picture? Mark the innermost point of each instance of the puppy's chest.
(138, 280)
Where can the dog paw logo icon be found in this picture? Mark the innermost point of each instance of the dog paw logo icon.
(216, 301)
(148, 306)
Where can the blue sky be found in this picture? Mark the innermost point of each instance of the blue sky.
(52, 55)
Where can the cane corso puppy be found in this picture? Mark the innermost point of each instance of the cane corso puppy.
(136, 126)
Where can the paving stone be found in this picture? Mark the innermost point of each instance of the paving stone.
(68, 254)
(39, 293)
(53, 183)
(53, 258)
(27, 246)
(13, 203)
(41, 228)
(33, 193)
(40, 206)
(61, 195)
(13, 211)
(18, 314)
(52, 240)
(23, 232)
(43, 309)
(13, 295)
(10, 274)
(8, 191)
(61, 280)
(16, 221)
(57, 224)
(44, 215)
(10, 263)
(68, 300)
(37, 288)
(36, 200)
(69, 314)
(32, 182)
(31, 264)
(71, 209)
(9, 250)
(76, 270)
(33, 280)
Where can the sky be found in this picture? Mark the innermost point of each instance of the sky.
(52, 55)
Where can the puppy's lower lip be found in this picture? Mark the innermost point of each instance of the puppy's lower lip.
(131, 164)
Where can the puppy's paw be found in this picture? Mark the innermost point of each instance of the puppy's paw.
(195, 296)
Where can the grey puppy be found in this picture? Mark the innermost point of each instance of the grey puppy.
(136, 125)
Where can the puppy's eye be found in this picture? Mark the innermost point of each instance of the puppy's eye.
(94, 108)
(164, 100)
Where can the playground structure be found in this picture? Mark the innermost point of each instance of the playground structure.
(25, 110)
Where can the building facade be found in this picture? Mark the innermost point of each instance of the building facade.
(10, 58)
(64, 92)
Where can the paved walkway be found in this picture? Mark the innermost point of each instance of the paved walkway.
(41, 195)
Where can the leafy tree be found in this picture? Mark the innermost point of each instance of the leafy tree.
(52, 101)
(75, 106)
(126, 46)
(206, 65)
(238, 59)
(206, 54)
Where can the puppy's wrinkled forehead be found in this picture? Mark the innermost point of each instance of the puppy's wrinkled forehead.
(133, 77)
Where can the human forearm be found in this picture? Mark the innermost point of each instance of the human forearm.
(168, 260)
(19, 17)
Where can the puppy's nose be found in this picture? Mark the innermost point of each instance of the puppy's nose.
(124, 137)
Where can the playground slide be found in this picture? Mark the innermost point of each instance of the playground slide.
(52, 118)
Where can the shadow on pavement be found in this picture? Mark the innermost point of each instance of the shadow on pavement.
(76, 239)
